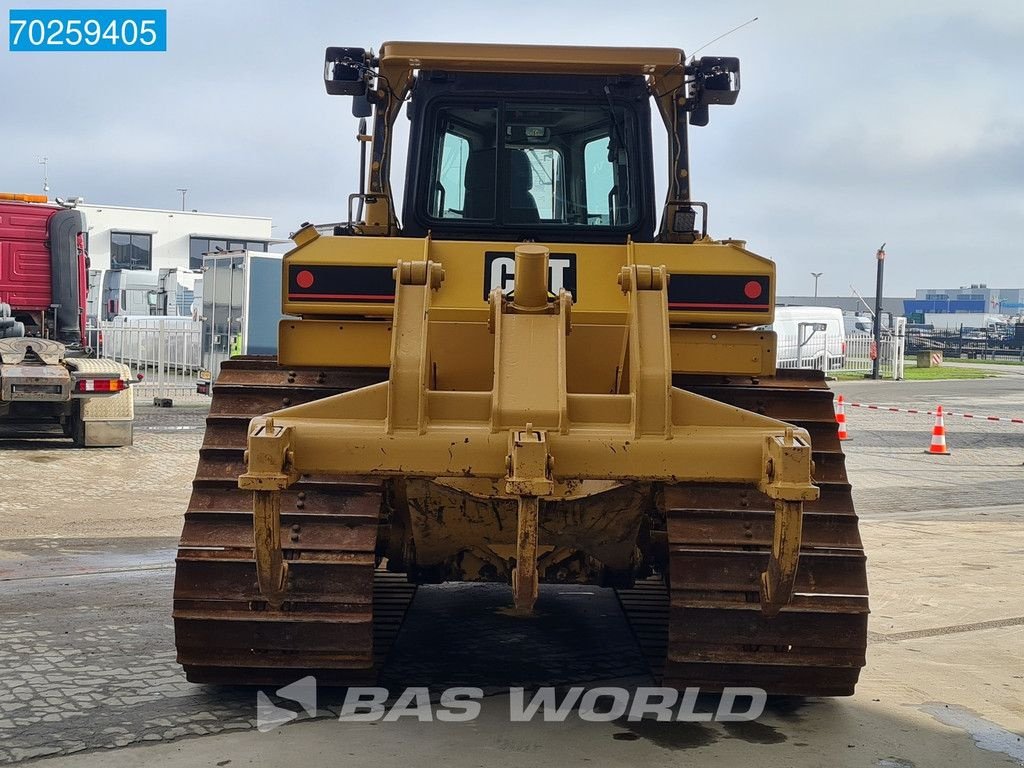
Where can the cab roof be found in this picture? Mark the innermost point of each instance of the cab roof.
(570, 59)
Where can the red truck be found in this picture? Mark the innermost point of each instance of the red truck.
(47, 374)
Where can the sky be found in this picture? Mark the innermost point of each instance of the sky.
(859, 122)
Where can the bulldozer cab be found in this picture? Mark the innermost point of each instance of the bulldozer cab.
(516, 142)
(517, 157)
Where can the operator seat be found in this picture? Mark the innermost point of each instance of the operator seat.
(480, 185)
(522, 208)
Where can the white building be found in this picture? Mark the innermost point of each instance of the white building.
(145, 238)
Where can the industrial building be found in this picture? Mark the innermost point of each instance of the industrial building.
(969, 299)
(971, 306)
(849, 304)
(121, 237)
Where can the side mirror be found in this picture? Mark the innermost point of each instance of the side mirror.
(345, 71)
(361, 106)
(700, 115)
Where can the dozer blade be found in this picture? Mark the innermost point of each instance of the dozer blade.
(706, 629)
(341, 613)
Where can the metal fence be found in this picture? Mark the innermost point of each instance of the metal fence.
(852, 353)
(164, 354)
(814, 350)
(1005, 344)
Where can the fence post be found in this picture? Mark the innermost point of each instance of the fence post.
(901, 347)
(161, 362)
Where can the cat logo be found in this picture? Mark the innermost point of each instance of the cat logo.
(500, 271)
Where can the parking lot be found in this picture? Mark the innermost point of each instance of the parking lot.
(86, 567)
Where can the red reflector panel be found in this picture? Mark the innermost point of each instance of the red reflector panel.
(320, 282)
(719, 293)
(100, 385)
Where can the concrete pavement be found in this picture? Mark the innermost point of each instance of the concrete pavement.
(90, 676)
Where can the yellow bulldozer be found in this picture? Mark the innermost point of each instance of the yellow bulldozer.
(537, 374)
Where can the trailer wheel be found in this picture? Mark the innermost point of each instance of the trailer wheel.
(74, 427)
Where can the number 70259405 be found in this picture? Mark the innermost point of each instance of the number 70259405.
(71, 30)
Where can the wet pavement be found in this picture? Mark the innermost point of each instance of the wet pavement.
(31, 559)
(90, 655)
(86, 639)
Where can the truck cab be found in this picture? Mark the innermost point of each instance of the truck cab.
(47, 375)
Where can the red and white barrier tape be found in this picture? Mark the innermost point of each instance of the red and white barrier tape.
(871, 407)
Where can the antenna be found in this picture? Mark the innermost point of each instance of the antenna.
(710, 42)
(46, 182)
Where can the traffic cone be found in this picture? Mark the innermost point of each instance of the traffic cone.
(938, 446)
(841, 419)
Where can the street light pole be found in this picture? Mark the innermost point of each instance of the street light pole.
(877, 362)
(816, 275)
(184, 191)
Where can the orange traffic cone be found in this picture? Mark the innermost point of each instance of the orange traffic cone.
(938, 446)
(841, 419)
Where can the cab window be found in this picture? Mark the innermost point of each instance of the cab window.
(513, 164)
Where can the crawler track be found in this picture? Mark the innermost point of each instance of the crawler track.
(706, 629)
(342, 613)
(701, 628)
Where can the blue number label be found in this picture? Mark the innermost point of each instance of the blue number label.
(85, 30)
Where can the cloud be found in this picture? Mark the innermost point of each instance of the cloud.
(858, 122)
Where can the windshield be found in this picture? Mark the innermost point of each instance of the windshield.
(533, 164)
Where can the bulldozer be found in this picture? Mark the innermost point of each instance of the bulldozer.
(537, 373)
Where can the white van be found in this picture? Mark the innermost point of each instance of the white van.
(860, 323)
(167, 292)
(126, 292)
(809, 337)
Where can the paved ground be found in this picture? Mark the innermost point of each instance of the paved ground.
(88, 655)
(53, 490)
(986, 456)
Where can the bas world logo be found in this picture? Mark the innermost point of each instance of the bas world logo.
(600, 704)
(269, 715)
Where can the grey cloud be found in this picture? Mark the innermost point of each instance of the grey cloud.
(858, 122)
